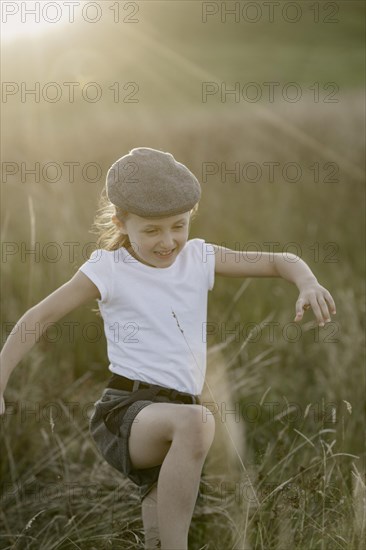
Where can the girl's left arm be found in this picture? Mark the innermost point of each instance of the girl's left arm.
(232, 263)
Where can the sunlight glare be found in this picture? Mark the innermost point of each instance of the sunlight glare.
(30, 19)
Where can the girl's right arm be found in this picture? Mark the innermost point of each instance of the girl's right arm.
(77, 291)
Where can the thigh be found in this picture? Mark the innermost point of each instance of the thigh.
(152, 433)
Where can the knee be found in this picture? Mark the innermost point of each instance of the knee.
(196, 429)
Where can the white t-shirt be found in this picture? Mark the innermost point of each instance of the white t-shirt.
(138, 303)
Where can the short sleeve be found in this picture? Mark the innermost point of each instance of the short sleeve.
(207, 259)
(209, 255)
(98, 271)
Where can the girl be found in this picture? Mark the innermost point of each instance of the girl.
(151, 284)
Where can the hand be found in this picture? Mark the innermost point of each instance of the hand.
(315, 296)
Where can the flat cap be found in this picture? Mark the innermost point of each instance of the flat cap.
(152, 184)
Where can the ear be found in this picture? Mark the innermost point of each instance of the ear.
(121, 226)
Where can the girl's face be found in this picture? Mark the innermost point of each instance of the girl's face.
(151, 238)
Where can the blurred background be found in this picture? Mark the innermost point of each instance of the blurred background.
(264, 102)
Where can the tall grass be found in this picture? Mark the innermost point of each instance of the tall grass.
(289, 471)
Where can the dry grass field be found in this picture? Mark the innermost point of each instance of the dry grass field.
(286, 470)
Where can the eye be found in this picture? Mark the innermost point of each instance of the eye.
(150, 231)
(179, 226)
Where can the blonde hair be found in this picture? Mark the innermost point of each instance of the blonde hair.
(109, 236)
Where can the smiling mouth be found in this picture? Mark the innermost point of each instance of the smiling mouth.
(165, 254)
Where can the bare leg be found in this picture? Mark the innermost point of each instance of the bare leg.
(179, 438)
(150, 520)
(178, 487)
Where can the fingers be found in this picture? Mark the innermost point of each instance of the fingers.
(321, 309)
(318, 312)
(319, 302)
(330, 301)
(301, 306)
(324, 310)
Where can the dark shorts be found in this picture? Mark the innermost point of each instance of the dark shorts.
(111, 431)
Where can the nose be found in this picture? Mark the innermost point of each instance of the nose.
(167, 242)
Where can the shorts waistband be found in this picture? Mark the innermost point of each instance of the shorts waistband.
(119, 382)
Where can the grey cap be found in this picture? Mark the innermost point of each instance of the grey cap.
(152, 184)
